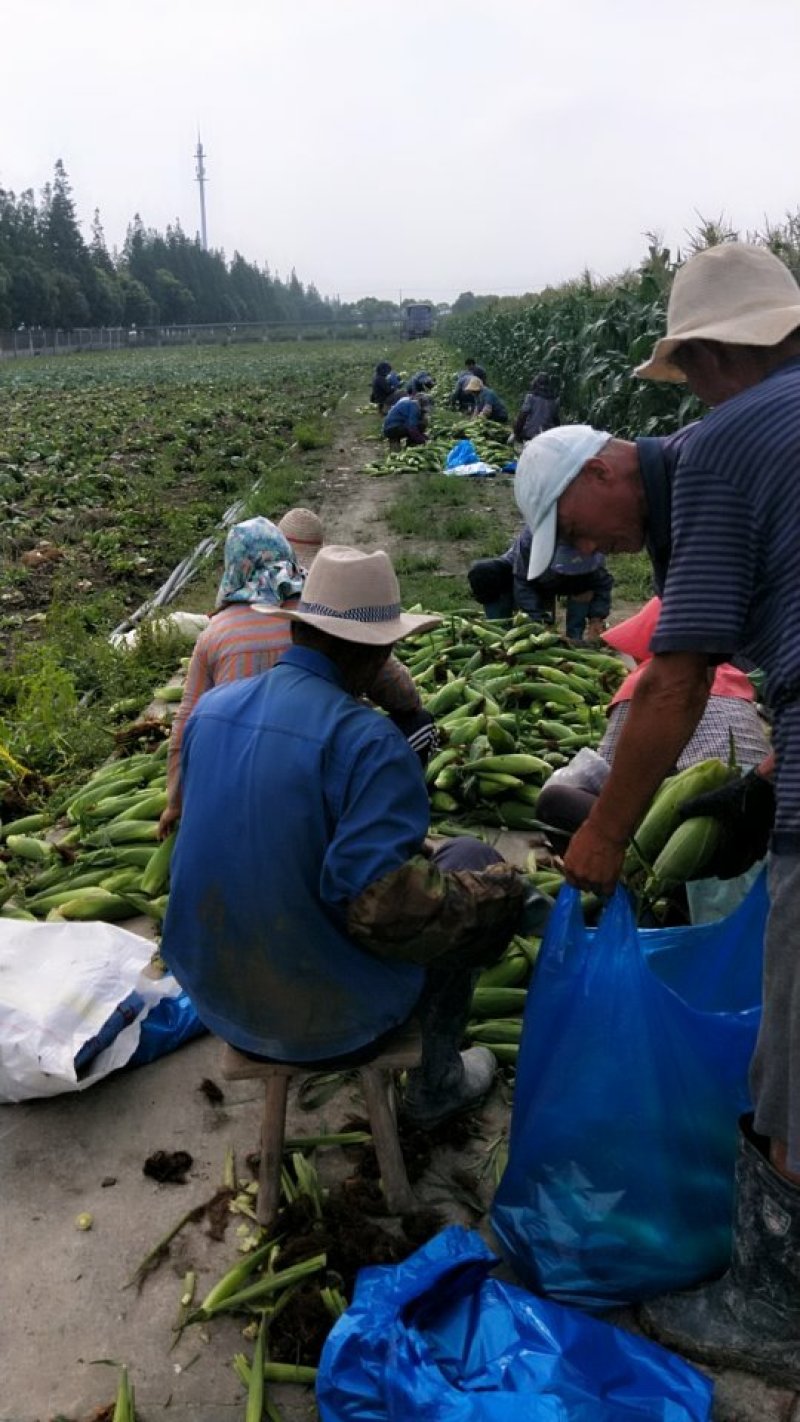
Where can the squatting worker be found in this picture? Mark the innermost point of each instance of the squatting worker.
(265, 568)
(459, 399)
(488, 404)
(304, 919)
(733, 585)
(503, 587)
(405, 421)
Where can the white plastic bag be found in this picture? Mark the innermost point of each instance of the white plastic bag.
(188, 624)
(586, 771)
(59, 984)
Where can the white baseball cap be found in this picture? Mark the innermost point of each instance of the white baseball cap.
(546, 467)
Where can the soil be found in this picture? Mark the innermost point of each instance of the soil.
(353, 505)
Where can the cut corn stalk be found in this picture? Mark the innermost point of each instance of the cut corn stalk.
(124, 1406)
(253, 1294)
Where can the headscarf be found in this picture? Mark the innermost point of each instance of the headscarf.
(259, 565)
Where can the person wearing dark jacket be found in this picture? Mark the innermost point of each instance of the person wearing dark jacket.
(385, 386)
(487, 403)
(503, 586)
(459, 398)
(539, 410)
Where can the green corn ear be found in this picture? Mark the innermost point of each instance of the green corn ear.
(157, 872)
(24, 847)
(663, 817)
(687, 851)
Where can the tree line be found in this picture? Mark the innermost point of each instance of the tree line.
(51, 276)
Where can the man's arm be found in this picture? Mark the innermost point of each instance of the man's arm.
(394, 903)
(666, 709)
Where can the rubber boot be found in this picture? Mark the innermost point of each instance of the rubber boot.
(448, 1081)
(750, 1318)
(577, 612)
(499, 608)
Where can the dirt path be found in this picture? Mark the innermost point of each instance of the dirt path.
(353, 506)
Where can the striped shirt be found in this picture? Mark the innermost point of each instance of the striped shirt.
(734, 574)
(239, 643)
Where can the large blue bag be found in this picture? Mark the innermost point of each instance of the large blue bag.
(463, 452)
(435, 1338)
(631, 1075)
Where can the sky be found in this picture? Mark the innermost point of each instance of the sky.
(388, 150)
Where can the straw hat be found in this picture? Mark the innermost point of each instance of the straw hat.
(473, 385)
(305, 533)
(355, 596)
(735, 293)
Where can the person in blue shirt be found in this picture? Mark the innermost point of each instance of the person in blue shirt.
(405, 422)
(385, 386)
(305, 919)
(503, 586)
(487, 403)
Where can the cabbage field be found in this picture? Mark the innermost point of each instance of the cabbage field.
(112, 468)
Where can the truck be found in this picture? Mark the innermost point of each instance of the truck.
(418, 319)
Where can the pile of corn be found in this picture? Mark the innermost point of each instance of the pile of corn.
(96, 855)
(446, 428)
(512, 704)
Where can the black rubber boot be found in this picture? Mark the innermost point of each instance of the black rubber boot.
(447, 1081)
(750, 1318)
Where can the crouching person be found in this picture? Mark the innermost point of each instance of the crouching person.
(305, 920)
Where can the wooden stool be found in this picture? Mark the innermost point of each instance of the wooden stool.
(401, 1051)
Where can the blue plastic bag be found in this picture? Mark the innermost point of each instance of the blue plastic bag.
(171, 1022)
(631, 1076)
(435, 1338)
(464, 452)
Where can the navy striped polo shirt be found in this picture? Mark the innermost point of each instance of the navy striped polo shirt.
(733, 584)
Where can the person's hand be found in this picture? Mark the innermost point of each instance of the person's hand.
(168, 821)
(592, 861)
(745, 808)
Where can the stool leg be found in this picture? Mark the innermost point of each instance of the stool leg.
(273, 1128)
(376, 1087)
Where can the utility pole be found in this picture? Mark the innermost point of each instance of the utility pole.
(200, 177)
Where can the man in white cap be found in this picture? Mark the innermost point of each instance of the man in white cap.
(304, 919)
(733, 586)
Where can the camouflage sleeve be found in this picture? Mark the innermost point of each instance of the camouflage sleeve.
(393, 688)
(417, 913)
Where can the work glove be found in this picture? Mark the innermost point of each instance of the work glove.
(745, 808)
(419, 729)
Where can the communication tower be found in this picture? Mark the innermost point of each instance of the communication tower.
(200, 176)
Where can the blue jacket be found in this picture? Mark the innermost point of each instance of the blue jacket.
(406, 414)
(296, 797)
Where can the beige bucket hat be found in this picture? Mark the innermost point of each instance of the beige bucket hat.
(355, 596)
(304, 530)
(736, 293)
(473, 385)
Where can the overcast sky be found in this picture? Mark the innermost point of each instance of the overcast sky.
(491, 145)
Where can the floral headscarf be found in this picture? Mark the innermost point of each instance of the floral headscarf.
(259, 565)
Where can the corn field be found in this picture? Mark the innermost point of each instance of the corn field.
(591, 335)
